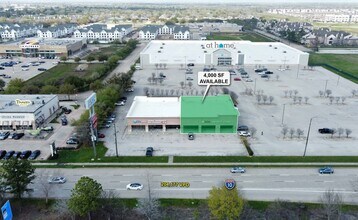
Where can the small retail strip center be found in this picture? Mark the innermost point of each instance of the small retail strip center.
(216, 114)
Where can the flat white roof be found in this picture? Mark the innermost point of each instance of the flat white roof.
(153, 107)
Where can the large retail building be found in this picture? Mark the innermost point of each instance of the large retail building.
(216, 114)
(221, 53)
(26, 111)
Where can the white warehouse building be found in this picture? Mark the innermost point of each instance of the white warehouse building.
(221, 53)
(26, 111)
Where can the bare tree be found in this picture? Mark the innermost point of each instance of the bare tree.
(354, 92)
(156, 65)
(146, 91)
(225, 90)
(340, 131)
(216, 91)
(160, 65)
(299, 99)
(153, 76)
(306, 100)
(164, 65)
(253, 131)
(196, 92)
(181, 84)
(331, 205)
(152, 92)
(271, 99)
(161, 81)
(292, 132)
(321, 93)
(331, 98)
(284, 131)
(264, 98)
(258, 98)
(172, 92)
(45, 187)
(162, 92)
(337, 99)
(333, 132)
(177, 92)
(299, 132)
(277, 77)
(62, 210)
(294, 99)
(150, 80)
(328, 92)
(286, 91)
(295, 92)
(348, 132)
(187, 92)
(149, 206)
(190, 84)
(167, 92)
(343, 98)
(157, 92)
(181, 66)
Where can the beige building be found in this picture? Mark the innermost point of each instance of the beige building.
(38, 47)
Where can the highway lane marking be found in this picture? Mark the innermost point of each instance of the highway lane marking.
(290, 181)
(248, 181)
(329, 181)
(206, 174)
(167, 175)
(207, 181)
(128, 175)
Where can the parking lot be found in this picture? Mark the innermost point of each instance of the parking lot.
(16, 71)
(266, 118)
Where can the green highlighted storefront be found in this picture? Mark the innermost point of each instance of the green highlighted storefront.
(216, 114)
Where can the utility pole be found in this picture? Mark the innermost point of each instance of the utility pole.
(115, 138)
(283, 113)
(308, 134)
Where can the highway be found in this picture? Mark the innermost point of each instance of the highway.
(293, 184)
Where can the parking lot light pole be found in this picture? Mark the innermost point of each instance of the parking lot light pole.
(308, 134)
(283, 113)
(115, 139)
(255, 87)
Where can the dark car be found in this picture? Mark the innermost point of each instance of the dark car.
(242, 128)
(17, 136)
(191, 136)
(161, 75)
(325, 131)
(34, 155)
(258, 70)
(268, 72)
(8, 155)
(64, 121)
(326, 170)
(2, 68)
(190, 64)
(264, 76)
(67, 111)
(41, 69)
(124, 99)
(149, 152)
(2, 153)
(25, 154)
(25, 66)
(16, 154)
(206, 70)
(4, 135)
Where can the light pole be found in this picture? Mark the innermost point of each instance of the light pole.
(325, 87)
(115, 138)
(283, 113)
(308, 134)
(255, 87)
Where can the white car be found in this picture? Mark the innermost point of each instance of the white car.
(261, 73)
(57, 179)
(244, 133)
(134, 186)
(248, 80)
(24, 69)
(237, 170)
(122, 103)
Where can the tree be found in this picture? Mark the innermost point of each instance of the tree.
(299, 99)
(331, 205)
(77, 59)
(85, 196)
(182, 84)
(68, 89)
(18, 174)
(63, 58)
(225, 90)
(49, 89)
(331, 98)
(328, 92)
(90, 58)
(340, 131)
(286, 91)
(190, 84)
(321, 93)
(343, 99)
(281, 210)
(258, 98)
(14, 86)
(306, 100)
(2, 84)
(253, 131)
(225, 204)
(292, 132)
(299, 132)
(337, 99)
(234, 97)
(333, 132)
(45, 187)
(30, 89)
(149, 206)
(264, 98)
(354, 92)
(348, 132)
(271, 99)
(277, 77)
(102, 57)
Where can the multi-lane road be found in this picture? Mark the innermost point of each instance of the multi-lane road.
(294, 184)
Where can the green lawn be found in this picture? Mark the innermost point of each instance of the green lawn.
(185, 203)
(109, 51)
(241, 36)
(345, 62)
(85, 154)
(63, 70)
(264, 159)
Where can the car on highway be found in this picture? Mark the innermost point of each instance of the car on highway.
(134, 186)
(325, 131)
(2, 153)
(4, 135)
(149, 151)
(244, 133)
(237, 170)
(16, 154)
(191, 136)
(25, 154)
(57, 180)
(326, 170)
(237, 79)
(8, 155)
(17, 136)
(34, 154)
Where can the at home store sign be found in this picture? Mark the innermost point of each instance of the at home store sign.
(216, 45)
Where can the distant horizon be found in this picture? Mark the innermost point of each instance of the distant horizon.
(178, 1)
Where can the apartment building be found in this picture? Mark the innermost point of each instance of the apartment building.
(176, 32)
(10, 31)
(58, 31)
(103, 33)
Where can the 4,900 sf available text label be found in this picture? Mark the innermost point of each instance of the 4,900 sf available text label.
(214, 78)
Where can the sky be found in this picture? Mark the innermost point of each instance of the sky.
(183, 1)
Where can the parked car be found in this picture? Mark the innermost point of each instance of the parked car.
(244, 133)
(191, 136)
(161, 75)
(101, 135)
(66, 110)
(7, 76)
(189, 79)
(41, 69)
(8, 155)
(17, 136)
(206, 70)
(25, 154)
(124, 99)
(264, 76)
(242, 128)
(326, 170)
(48, 128)
(25, 69)
(237, 170)
(258, 70)
(237, 79)
(149, 151)
(130, 90)
(268, 72)
(35, 154)
(2, 68)
(121, 103)
(325, 131)
(4, 135)
(213, 68)
(245, 76)
(189, 72)
(191, 64)
(134, 186)
(57, 180)
(16, 154)
(248, 80)
(2, 153)
(72, 141)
